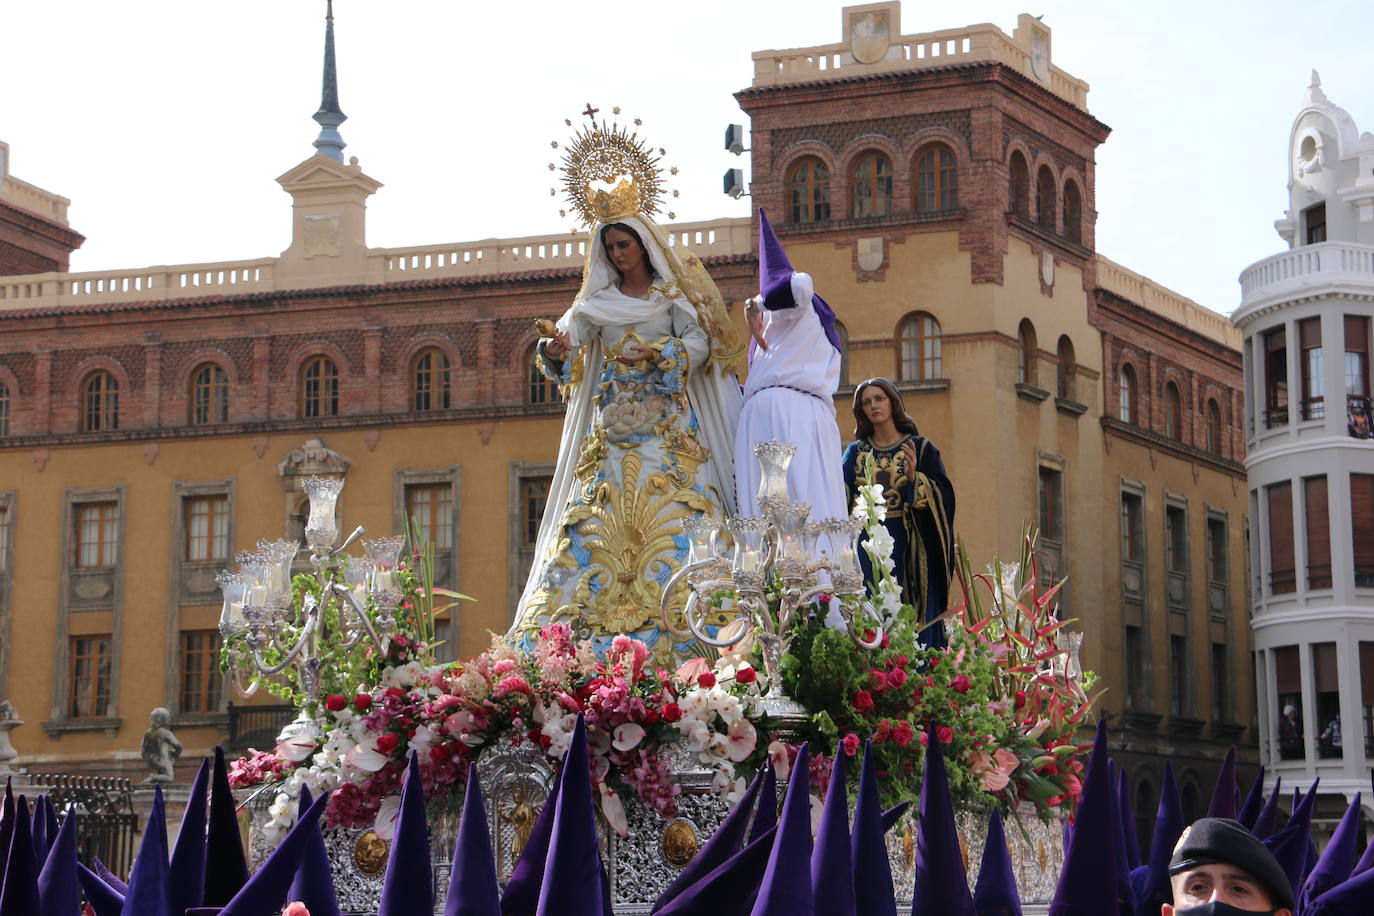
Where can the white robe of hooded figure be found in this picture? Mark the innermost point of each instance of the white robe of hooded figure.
(790, 397)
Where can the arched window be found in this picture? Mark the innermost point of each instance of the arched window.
(209, 395)
(844, 353)
(1213, 427)
(1064, 373)
(319, 388)
(1044, 197)
(873, 186)
(919, 340)
(1025, 352)
(937, 180)
(541, 389)
(429, 381)
(1126, 388)
(100, 395)
(1018, 186)
(1173, 412)
(4, 409)
(808, 189)
(1073, 213)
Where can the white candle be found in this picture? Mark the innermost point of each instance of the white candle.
(360, 595)
(257, 596)
(384, 580)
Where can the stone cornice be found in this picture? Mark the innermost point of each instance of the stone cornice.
(1129, 431)
(952, 75)
(1153, 322)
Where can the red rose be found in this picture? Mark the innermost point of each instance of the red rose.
(863, 701)
(362, 702)
(902, 734)
(896, 677)
(887, 640)
(925, 739)
(879, 680)
(746, 675)
(870, 635)
(650, 717)
(1020, 698)
(884, 730)
(902, 661)
(387, 743)
(851, 744)
(672, 712)
(335, 702)
(395, 692)
(934, 662)
(438, 753)
(946, 734)
(706, 679)
(961, 684)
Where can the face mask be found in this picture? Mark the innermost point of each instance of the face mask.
(1220, 909)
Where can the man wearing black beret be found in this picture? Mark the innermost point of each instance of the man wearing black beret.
(1220, 868)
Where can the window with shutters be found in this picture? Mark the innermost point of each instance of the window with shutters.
(1176, 559)
(202, 684)
(430, 388)
(1314, 224)
(4, 409)
(97, 535)
(1178, 676)
(319, 388)
(1310, 344)
(1126, 390)
(1362, 527)
(808, 187)
(1018, 186)
(1218, 569)
(1221, 684)
(1288, 677)
(1137, 688)
(1173, 412)
(1275, 378)
(1359, 415)
(873, 186)
(1318, 530)
(1326, 678)
(100, 402)
(1214, 438)
(541, 389)
(207, 528)
(1367, 695)
(1045, 193)
(1282, 576)
(91, 669)
(1026, 350)
(937, 179)
(920, 348)
(1073, 213)
(209, 399)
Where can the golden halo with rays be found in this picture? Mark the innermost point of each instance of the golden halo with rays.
(610, 172)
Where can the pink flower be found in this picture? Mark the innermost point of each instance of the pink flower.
(851, 744)
(295, 908)
(743, 739)
(690, 670)
(513, 684)
(780, 758)
(627, 736)
(614, 810)
(896, 677)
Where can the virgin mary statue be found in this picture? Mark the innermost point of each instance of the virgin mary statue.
(645, 359)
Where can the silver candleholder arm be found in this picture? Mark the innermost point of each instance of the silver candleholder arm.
(778, 564)
(280, 634)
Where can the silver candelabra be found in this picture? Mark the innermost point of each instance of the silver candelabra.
(279, 631)
(779, 564)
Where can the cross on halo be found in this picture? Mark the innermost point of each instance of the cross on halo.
(590, 111)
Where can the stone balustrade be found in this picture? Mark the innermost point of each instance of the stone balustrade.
(36, 200)
(713, 238)
(1303, 270)
(981, 42)
(1163, 301)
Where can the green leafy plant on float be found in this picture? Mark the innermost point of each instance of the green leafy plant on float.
(346, 669)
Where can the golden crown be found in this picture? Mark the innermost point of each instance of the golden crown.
(609, 172)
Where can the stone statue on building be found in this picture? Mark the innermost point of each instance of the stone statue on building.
(160, 747)
(9, 719)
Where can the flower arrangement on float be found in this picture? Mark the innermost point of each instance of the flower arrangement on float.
(1005, 694)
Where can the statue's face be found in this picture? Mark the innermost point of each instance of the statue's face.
(624, 251)
(876, 405)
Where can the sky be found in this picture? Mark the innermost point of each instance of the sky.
(166, 121)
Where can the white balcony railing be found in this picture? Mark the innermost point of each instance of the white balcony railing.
(1305, 271)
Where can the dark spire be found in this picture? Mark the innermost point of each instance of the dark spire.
(329, 117)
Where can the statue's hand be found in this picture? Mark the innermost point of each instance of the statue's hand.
(558, 345)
